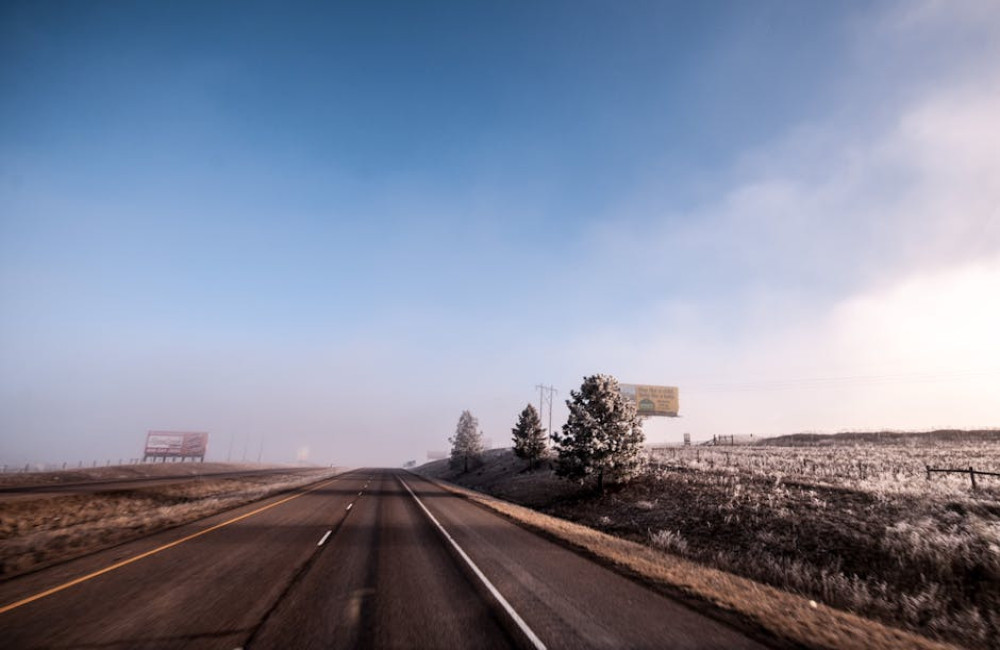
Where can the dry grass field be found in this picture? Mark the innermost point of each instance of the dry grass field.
(41, 531)
(119, 472)
(857, 527)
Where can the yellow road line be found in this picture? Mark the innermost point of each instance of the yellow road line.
(118, 565)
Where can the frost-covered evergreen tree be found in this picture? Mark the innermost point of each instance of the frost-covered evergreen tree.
(467, 443)
(529, 436)
(603, 435)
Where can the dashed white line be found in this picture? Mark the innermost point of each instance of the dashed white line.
(325, 537)
(527, 631)
(349, 505)
(360, 493)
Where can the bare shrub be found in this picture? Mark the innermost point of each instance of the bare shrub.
(669, 540)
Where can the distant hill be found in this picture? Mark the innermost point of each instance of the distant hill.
(950, 436)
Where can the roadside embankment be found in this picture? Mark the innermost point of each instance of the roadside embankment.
(661, 529)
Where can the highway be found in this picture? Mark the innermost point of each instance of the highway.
(368, 559)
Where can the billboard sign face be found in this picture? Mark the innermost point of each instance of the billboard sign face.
(652, 400)
(179, 444)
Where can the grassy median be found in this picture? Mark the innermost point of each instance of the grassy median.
(43, 530)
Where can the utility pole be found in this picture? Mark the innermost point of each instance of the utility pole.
(552, 391)
(545, 394)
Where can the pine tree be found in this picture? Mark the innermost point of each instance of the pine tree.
(602, 436)
(529, 436)
(467, 443)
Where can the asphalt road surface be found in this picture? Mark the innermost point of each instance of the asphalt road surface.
(369, 559)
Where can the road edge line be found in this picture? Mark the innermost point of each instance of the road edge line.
(528, 633)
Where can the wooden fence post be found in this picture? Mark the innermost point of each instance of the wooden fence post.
(972, 475)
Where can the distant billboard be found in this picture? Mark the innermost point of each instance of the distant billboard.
(176, 444)
(652, 400)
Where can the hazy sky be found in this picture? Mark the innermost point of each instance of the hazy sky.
(334, 226)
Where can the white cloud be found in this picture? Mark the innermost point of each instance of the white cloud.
(937, 323)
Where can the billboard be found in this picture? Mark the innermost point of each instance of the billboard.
(176, 444)
(652, 400)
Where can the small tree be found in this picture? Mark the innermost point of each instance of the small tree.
(467, 443)
(529, 436)
(602, 436)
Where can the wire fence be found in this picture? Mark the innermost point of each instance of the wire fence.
(972, 472)
(55, 467)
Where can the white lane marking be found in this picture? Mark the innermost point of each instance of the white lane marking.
(532, 637)
(349, 505)
(360, 493)
(325, 537)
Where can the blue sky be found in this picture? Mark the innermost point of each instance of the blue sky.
(335, 226)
